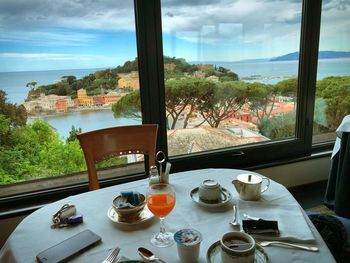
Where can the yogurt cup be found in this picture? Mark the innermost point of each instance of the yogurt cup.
(188, 244)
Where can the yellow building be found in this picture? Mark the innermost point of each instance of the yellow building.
(129, 81)
(83, 98)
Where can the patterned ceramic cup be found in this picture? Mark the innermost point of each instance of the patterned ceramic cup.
(188, 244)
(237, 247)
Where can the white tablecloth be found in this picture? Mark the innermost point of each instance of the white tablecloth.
(34, 234)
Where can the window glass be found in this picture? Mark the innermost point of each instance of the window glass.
(230, 72)
(333, 74)
(64, 65)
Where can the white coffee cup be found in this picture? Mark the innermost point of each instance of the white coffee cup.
(237, 247)
(188, 244)
(209, 190)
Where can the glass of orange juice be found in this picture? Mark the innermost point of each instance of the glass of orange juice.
(160, 201)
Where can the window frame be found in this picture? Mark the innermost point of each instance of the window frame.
(152, 92)
(151, 60)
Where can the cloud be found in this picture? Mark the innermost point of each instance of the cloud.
(49, 56)
(241, 21)
(52, 38)
(83, 14)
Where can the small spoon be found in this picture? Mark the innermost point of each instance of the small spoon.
(252, 217)
(234, 221)
(148, 255)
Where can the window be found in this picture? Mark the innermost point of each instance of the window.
(333, 74)
(249, 66)
(63, 64)
(230, 72)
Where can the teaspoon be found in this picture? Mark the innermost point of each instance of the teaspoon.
(148, 255)
(234, 221)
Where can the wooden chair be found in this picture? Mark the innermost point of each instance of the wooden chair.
(106, 143)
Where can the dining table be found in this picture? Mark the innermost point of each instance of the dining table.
(34, 234)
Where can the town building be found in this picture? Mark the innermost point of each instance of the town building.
(83, 98)
(129, 80)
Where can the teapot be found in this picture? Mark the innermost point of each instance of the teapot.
(249, 186)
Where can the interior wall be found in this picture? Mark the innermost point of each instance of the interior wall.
(289, 175)
(299, 173)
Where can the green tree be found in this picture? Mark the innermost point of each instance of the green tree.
(69, 79)
(226, 98)
(261, 100)
(335, 91)
(31, 85)
(278, 127)
(129, 106)
(16, 114)
(288, 88)
(182, 98)
(73, 134)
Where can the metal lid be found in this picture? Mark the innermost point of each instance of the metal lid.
(249, 178)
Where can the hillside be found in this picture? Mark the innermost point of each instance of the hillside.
(322, 55)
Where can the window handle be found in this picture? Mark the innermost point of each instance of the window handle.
(237, 153)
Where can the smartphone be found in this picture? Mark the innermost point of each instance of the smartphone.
(68, 247)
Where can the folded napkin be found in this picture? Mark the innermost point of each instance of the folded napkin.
(291, 221)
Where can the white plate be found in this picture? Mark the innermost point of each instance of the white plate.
(225, 197)
(145, 215)
(214, 256)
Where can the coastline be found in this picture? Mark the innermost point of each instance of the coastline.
(70, 111)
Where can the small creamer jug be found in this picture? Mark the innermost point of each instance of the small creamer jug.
(249, 186)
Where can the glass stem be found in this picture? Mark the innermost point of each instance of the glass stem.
(162, 227)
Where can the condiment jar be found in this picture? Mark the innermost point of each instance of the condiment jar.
(154, 177)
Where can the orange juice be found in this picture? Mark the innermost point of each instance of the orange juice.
(161, 204)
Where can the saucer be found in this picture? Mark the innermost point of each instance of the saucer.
(214, 256)
(145, 215)
(225, 197)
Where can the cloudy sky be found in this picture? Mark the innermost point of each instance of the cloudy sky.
(72, 34)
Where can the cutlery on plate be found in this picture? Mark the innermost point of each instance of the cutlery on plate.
(234, 221)
(112, 256)
(268, 243)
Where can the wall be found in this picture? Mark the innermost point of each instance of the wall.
(289, 175)
(299, 173)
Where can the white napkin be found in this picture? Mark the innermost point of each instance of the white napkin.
(343, 127)
(291, 221)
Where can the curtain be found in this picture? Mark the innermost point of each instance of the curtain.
(337, 195)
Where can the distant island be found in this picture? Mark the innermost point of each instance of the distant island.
(286, 57)
(321, 55)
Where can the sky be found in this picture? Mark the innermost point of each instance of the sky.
(76, 34)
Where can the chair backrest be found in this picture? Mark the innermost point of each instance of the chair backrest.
(105, 143)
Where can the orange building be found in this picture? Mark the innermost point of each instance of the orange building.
(111, 99)
(61, 105)
(99, 100)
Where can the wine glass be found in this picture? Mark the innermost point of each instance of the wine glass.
(160, 201)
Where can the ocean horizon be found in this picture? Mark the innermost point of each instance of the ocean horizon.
(14, 84)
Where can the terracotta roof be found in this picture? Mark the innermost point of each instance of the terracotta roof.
(184, 141)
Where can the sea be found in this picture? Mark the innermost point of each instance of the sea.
(14, 84)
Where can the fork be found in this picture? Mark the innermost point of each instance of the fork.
(112, 256)
(267, 243)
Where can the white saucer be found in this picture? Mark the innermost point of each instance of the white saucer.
(145, 215)
(214, 256)
(225, 197)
